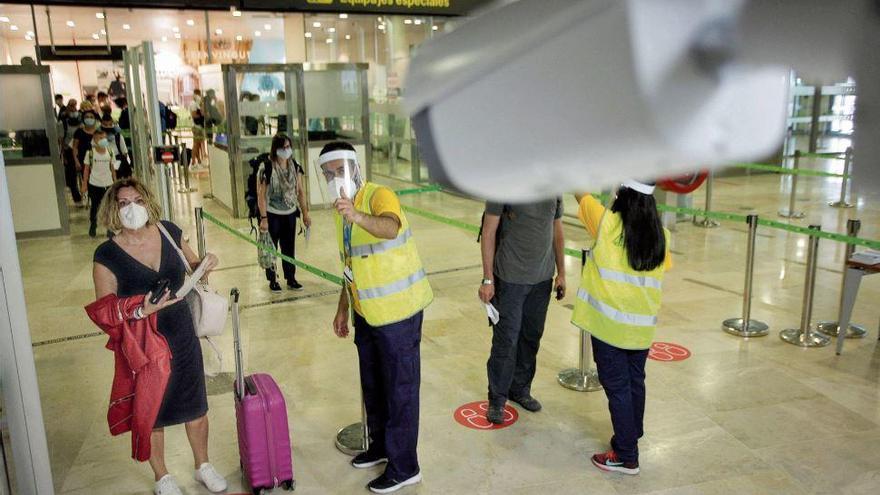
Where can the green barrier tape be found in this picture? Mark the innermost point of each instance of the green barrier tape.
(419, 190)
(787, 171)
(316, 271)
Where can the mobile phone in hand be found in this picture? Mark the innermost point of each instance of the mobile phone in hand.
(559, 293)
(158, 290)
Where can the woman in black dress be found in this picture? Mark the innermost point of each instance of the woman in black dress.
(130, 264)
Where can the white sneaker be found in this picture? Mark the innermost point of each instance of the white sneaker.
(167, 486)
(208, 476)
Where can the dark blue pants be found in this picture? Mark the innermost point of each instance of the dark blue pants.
(390, 377)
(622, 374)
(516, 338)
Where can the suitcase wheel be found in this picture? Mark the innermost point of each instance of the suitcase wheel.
(289, 485)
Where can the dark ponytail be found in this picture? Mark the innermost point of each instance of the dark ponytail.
(643, 234)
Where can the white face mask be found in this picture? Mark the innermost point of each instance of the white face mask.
(133, 216)
(338, 183)
(284, 153)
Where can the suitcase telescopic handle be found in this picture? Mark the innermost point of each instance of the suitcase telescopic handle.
(236, 336)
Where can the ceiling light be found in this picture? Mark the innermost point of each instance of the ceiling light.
(13, 28)
(95, 36)
(218, 31)
(382, 26)
(70, 24)
(348, 36)
(177, 36)
(267, 27)
(343, 16)
(236, 13)
(104, 32)
(29, 33)
(418, 22)
(99, 15)
(238, 37)
(190, 22)
(257, 34)
(308, 34)
(28, 37)
(379, 18)
(4, 19)
(164, 39)
(126, 26)
(329, 40)
(331, 30)
(175, 29)
(407, 21)
(435, 28)
(316, 24)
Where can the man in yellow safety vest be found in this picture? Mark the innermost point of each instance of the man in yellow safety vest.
(387, 289)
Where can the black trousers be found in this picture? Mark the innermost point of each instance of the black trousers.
(71, 178)
(516, 338)
(96, 194)
(390, 366)
(282, 229)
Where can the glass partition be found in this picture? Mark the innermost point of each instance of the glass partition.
(395, 148)
(23, 129)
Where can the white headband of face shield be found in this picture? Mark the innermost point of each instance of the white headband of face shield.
(337, 155)
(639, 186)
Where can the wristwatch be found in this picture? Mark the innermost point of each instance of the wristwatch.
(487, 281)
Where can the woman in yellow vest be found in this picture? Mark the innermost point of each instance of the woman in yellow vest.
(387, 289)
(618, 302)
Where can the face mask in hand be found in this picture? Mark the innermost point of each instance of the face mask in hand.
(284, 153)
(133, 216)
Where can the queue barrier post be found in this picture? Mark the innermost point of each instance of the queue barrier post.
(746, 326)
(706, 222)
(583, 378)
(200, 232)
(804, 336)
(847, 165)
(831, 328)
(790, 212)
(354, 438)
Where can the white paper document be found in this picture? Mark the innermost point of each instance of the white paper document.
(492, 313)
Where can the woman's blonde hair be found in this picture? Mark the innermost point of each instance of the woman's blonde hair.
(108, 212)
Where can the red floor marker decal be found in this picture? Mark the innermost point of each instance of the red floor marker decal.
(664, 351)
(473, 415)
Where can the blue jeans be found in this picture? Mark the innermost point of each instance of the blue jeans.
(622, 374)
(390, 377)
(516, 338)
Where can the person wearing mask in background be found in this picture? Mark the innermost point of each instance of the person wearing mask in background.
(200, 150)
(117, 145)
(618, 302)
(99, 173)
(71, 121)
(521, 246)
(59, 106)
(92, 101)
(128, 266)
(388, 290)
(104, 107)
(82, 138)
(281, 199)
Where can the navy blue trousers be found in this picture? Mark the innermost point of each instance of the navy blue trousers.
(622, 375)
(390, 366)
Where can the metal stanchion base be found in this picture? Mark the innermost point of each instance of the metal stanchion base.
(788, 214)
(831, 328)
(350, 440)
(840, 204)
(755, 328)
(575, 379)
(706, 223)
(809, 339)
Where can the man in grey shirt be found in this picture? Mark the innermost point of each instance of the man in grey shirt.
(522, 245)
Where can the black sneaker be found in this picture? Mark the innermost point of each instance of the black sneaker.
(367, 459)
(528, 403)
(384, 484)
(275, 287)
(294, 285)
(495, 415)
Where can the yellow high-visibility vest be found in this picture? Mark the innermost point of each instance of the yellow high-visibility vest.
(389, 283)
(616, 304)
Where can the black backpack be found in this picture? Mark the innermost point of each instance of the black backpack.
(170, 119)
(250, 194)
(505, 211)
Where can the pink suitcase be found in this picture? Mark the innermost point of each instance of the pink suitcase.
(261, 418)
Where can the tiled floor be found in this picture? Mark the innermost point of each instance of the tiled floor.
(738, 416)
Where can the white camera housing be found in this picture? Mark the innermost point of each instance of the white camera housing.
(542, 97)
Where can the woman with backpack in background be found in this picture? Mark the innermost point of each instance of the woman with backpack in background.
(617, 303)
(280, 200)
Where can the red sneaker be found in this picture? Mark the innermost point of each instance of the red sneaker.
(608, 461)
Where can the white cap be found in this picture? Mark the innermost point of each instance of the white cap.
(639, 186)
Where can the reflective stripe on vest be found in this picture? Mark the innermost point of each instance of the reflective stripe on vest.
(381, 247)
(639, 281)
(617, 315)
(392, 288)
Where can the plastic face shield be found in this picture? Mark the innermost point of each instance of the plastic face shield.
(341, 173)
